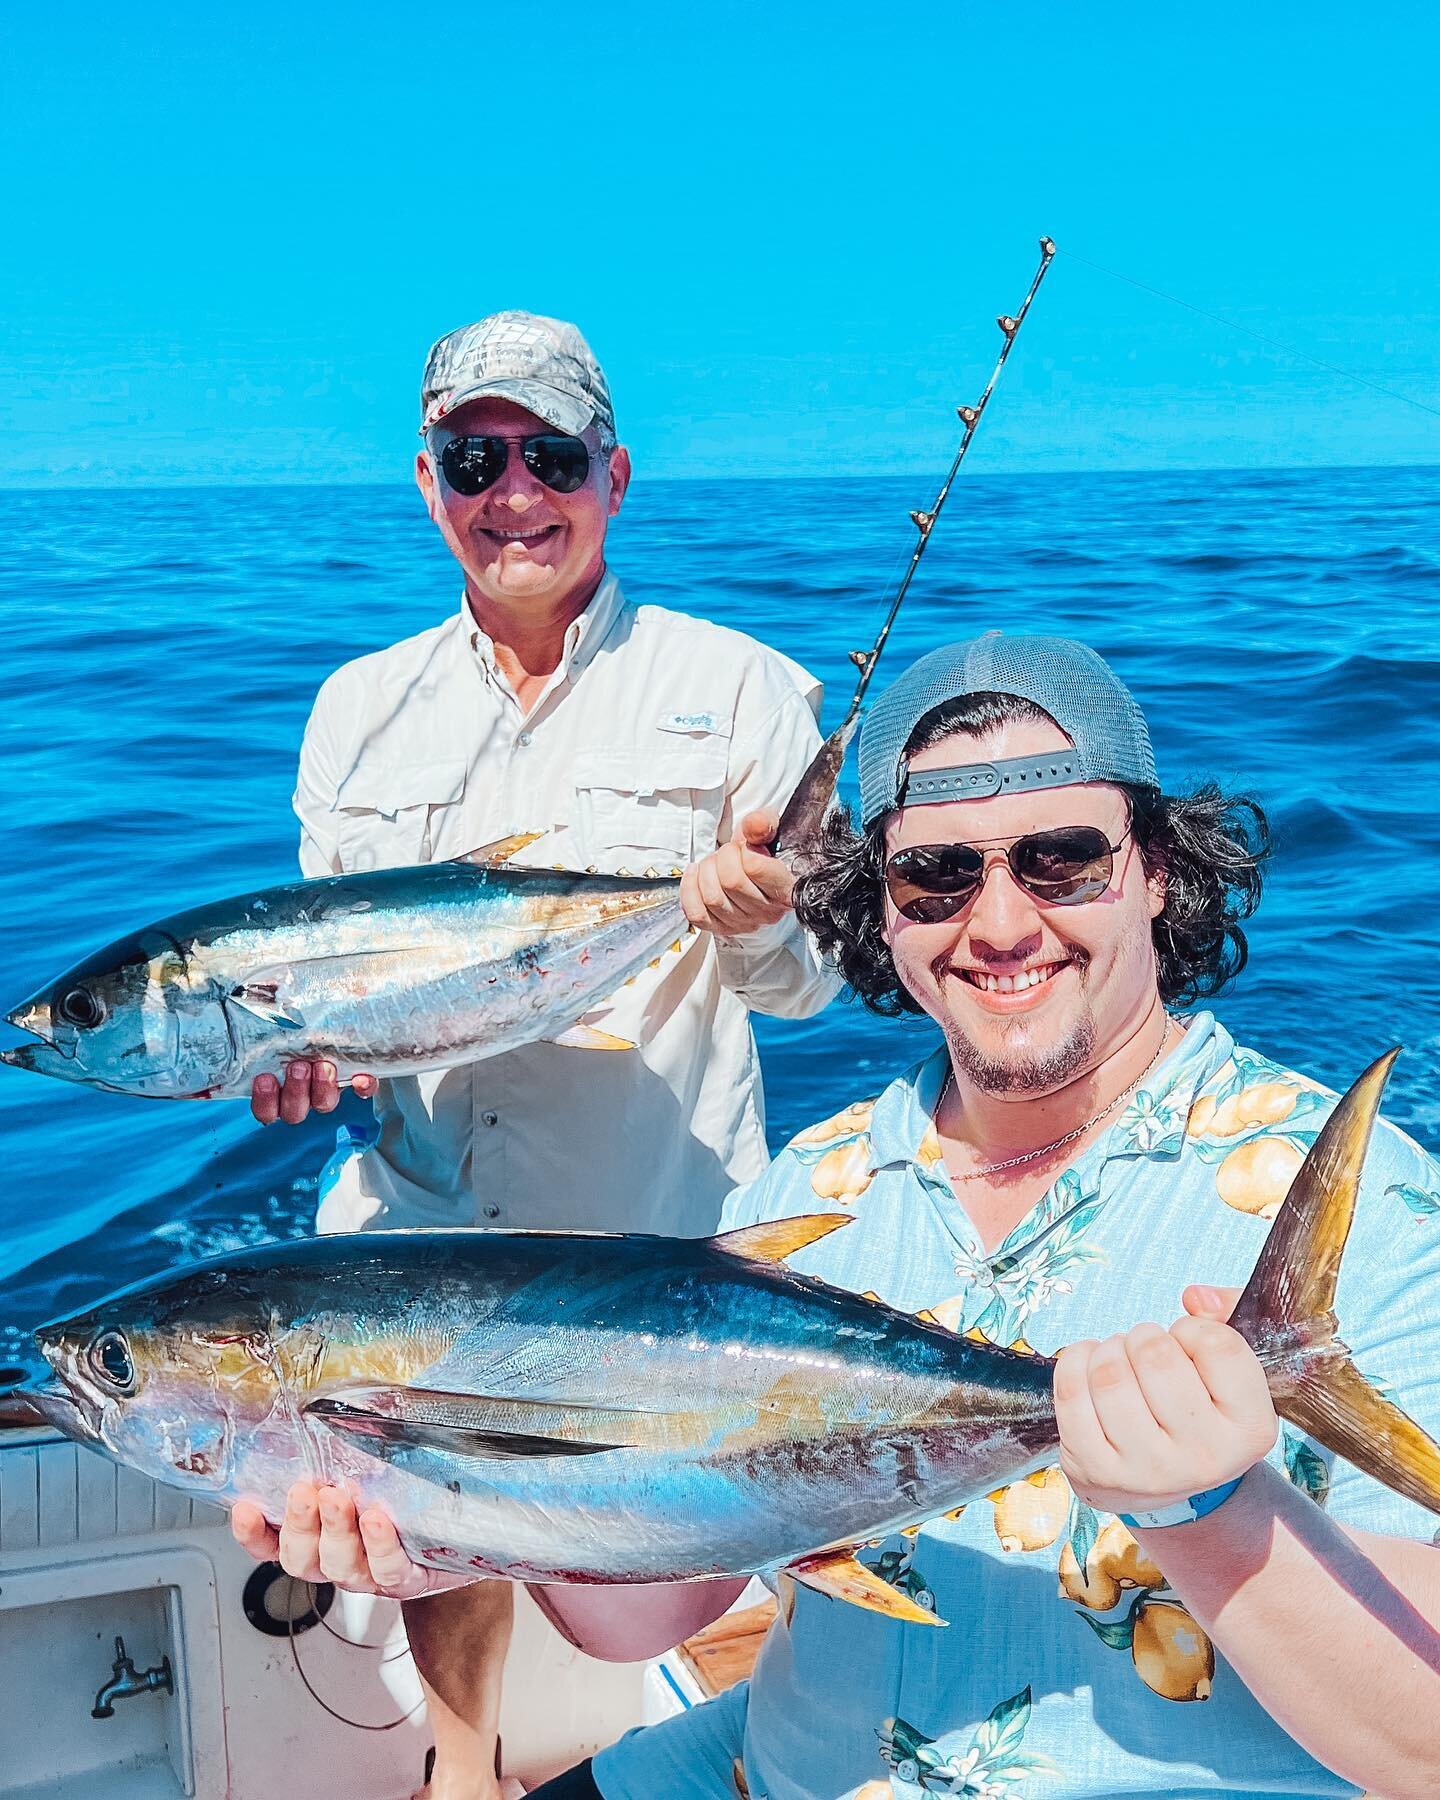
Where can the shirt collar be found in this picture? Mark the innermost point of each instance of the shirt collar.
(583, 636)
(1151, 1123)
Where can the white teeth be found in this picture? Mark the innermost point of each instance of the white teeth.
(1014, 984)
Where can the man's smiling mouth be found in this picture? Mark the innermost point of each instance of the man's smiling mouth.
(528, 535)
(1018, 982)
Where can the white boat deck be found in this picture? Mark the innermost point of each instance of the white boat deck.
(90, 1552)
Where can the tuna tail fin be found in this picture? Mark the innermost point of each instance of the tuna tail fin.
(1287, 1311)
(805, 813)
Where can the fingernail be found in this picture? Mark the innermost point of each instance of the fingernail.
(1210, 1298)
(297, 1071)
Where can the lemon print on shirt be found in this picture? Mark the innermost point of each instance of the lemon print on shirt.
(846, 1123)
(843, 1173)
(1031, 1513)
(1265, 1103)
(837, 1153)
(1255, 1123)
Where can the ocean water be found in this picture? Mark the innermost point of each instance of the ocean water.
(161, 649)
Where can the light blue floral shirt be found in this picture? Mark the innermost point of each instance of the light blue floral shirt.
(1069, 1670)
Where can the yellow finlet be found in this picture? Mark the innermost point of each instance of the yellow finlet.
(501, 850)
(586, 1037)
(838, 1575)
(926, 1317)
(778, 1238)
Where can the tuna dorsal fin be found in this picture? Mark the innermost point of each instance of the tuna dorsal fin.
(841, 1576)
(389, 1421)
(778, 1238)
(1287, 1311)
(501, 850)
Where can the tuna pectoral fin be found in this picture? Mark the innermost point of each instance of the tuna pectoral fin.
(779, 1238)
(1287, 1312)
(586, 1037)
(501, 850)
(387, 1421)
(261, 1000)
(841, 1576)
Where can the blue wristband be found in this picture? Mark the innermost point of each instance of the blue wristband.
(1183, 1512)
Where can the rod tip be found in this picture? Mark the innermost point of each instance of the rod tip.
(1047, 246)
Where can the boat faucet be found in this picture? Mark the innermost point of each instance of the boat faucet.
(126, 1681)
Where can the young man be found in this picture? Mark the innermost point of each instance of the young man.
(629, 737)
(1191, 1601)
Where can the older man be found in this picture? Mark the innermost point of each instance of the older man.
(628, 737)
(1183, 1605)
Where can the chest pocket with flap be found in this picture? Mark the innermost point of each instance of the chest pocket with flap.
(656, 807)
(387, 811)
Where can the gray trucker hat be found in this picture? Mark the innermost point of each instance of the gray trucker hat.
(541, 364)
(1079, 690)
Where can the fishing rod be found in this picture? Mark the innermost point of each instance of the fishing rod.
(832, 751)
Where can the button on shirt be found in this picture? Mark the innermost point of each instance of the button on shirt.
(1068, 1669)
(654, 735)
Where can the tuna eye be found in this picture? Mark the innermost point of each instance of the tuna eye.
(79, 1007)
(111, 1360)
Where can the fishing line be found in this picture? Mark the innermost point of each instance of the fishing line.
(324, 1705)
(1259, 336)
(363, 1643)
(832, 751)
(924, 522)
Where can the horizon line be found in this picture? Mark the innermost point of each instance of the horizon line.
(186, 484)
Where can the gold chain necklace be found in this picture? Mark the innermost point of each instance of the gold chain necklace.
(1015, 1162)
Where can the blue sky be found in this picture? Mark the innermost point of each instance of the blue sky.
(786, 229)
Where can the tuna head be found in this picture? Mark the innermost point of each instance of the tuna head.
(138, 1017)
(186, 1379)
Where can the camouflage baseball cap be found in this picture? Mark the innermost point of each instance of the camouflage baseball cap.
(541, 364)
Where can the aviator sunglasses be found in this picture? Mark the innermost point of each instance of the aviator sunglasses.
(472, 464)
(1064, 867)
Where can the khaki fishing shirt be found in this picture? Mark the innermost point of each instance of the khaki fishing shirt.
(652, 738)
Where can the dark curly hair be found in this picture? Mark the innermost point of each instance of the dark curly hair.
(1210, 846)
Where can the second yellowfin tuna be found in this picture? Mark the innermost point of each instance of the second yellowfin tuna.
(555, 1407)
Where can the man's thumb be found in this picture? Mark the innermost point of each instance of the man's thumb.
(1210, 1302)
(758, 829)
